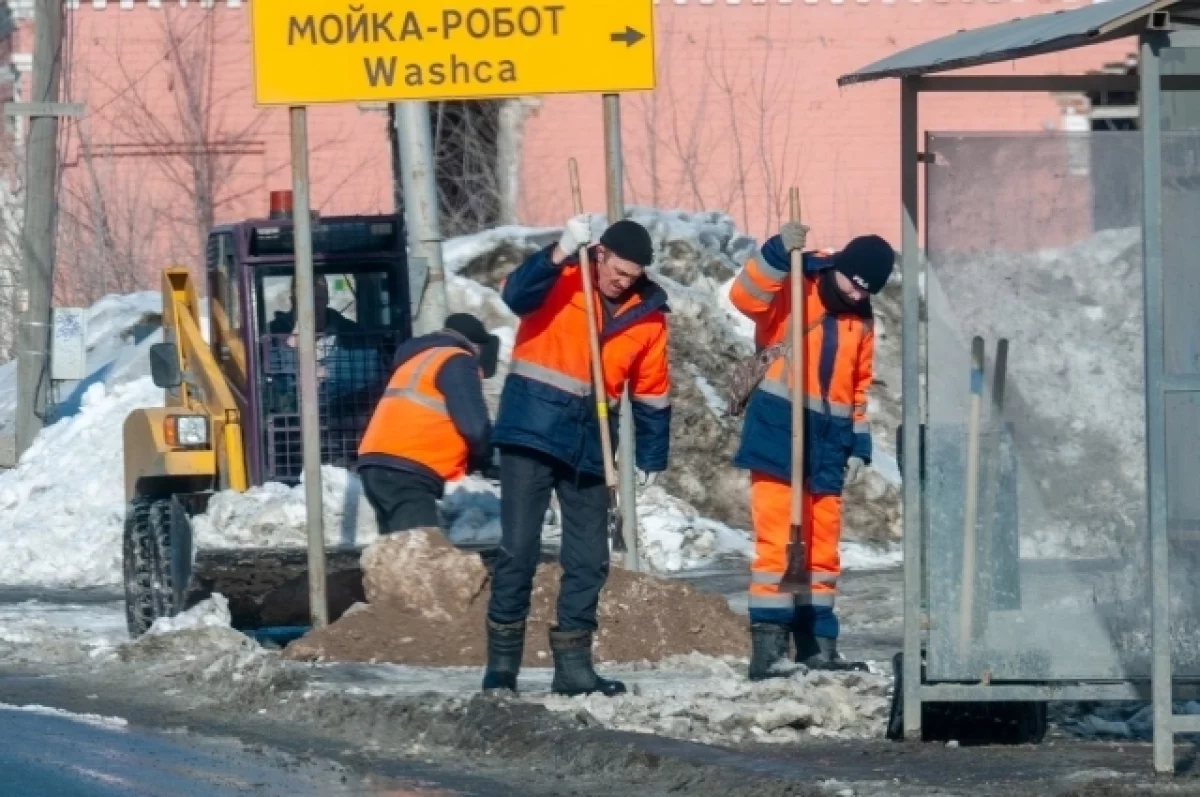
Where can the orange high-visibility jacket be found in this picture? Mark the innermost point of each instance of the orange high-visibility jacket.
(839, 353)
(412, 425)
(547, 402)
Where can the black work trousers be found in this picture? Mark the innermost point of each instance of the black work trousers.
(401, 500)
(527, 478)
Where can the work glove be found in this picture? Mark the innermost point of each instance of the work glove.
(578, 233)
(646, 478)
(854, 469)
(794, 236)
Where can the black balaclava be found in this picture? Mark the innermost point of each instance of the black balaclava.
(836, 302)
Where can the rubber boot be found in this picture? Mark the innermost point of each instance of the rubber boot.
(573, 671)
(820, 653)
(506, 643)
(768, 649)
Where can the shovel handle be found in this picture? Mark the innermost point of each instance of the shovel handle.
(799, 325)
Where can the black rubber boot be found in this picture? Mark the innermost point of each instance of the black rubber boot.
(506, 643)
(573, 671)
(820, 653)
(768, 649)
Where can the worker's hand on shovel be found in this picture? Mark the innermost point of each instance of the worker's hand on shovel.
(794, 236)
(577, 233)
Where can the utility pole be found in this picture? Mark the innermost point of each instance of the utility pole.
(40, 223)
(419, 182)
(310, 419)
(614, 174)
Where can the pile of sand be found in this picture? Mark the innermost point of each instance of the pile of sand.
(428, 601)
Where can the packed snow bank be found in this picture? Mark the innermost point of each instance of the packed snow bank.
(62, 508)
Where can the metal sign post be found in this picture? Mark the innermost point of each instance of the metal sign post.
(310, 422)
(614, 174)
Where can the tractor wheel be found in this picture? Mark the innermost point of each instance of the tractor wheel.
(147, 553)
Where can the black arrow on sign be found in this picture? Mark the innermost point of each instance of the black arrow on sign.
(629, 36)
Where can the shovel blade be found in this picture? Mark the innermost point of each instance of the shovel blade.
(795, 578)
(616, 523)
(616, 530)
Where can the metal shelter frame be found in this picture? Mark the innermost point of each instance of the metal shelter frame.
(1159, 25)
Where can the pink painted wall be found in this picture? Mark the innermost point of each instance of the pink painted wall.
(128, 161)
(747, 104)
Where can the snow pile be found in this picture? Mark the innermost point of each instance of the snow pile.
(675, 537)
(212, 612)
(710, 700)
(275, 515)
(62, 508)
(119, 329)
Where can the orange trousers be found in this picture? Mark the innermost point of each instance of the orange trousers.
(770, 509)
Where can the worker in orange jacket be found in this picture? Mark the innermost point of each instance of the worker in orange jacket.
(839, 348)
(431, 425)
(548, 434)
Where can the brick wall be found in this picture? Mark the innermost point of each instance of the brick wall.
(747, 104)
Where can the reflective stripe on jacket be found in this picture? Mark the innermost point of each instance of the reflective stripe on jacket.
(412, 422)
(547, 400)
(838, 372)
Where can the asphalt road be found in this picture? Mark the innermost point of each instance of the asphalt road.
(54, 756)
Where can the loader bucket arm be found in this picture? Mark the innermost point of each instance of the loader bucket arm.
(204, 388)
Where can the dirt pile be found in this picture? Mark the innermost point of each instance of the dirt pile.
(429, 602)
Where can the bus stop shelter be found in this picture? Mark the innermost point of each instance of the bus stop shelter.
(1051, 524)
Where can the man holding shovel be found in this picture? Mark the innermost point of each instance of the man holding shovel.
(549, 438)
(793, 585)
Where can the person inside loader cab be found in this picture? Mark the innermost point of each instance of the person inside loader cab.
(548, 435)
(839, 348)
(431, 426)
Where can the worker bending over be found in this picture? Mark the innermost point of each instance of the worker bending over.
(839, 347)
(549, 438)
(431, 426)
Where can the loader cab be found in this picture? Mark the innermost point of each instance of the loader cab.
(361, 297)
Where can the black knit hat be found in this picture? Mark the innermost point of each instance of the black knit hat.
(473, 330)
(867, 261)
(629, 240)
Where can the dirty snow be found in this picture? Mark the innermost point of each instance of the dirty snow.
(707, 699)
(43, 630)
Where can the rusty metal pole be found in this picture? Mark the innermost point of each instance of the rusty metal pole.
(310, 421)
(614, 175)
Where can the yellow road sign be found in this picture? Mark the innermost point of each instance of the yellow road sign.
(308, 52)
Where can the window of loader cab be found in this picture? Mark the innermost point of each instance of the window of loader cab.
(223, 287)
(357, 298)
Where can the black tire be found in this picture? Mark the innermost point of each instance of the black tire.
(149, 593)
